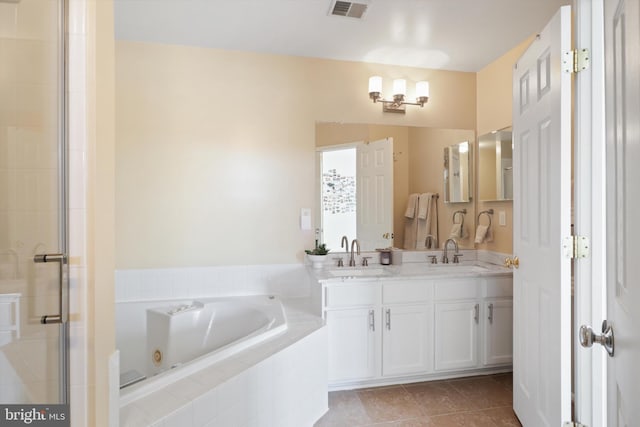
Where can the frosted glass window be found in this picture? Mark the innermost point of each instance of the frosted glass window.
(338, 196)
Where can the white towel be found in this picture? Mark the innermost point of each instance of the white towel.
(410, 232)
(411, 222)
(483, 234)
(412, 203)
(424, 205)
(425, 202)
(456, 231)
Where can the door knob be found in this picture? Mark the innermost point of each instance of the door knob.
(512, 262)
(588, 337)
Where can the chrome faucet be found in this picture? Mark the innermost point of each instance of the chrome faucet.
(445, 258)
(344, 243)
(352, 261)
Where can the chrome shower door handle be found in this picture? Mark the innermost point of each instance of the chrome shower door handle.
(588, 337)
(63, 314)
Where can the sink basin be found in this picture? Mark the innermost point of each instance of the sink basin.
(358, 272)
(440, 268)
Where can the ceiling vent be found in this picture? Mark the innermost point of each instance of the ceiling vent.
(348, 9)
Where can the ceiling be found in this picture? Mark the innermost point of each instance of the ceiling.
(461, 35)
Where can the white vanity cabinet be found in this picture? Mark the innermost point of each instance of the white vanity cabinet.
(353, 344)
(457, 327)
(378, 329)
(352, 313)
(498, 322)
(407, 333)
(473, 323)
(393, 330)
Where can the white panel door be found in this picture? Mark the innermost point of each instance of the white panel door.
(542, 216)
(374, 181)
(622, 50)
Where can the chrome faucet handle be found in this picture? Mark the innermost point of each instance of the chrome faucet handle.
(434, 259)
(365, 261)
(456, 258)
(340, 262)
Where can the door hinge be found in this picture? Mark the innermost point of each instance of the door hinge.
(575, 60)
(573, 424)
(575, 247)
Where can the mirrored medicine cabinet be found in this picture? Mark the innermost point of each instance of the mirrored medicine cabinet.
(495, 166)
(458, 173)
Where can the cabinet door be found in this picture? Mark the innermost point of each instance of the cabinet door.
(456, 335)
(353, 339)
(407, 339)
(498, 338)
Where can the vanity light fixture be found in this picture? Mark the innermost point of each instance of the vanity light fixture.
(397, 105)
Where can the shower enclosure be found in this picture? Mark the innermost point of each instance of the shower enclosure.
(33, 205)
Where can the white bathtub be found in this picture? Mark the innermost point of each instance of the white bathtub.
(183, 337)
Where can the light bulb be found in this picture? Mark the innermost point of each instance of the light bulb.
(399, 87)
(375, 84)
(422, 90)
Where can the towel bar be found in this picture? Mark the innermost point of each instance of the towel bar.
(488, 213)
(461, 213)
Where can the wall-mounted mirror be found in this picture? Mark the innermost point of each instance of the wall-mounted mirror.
(457, 173)
(495, 166)
(416, 163)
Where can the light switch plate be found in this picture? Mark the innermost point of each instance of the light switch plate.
(502, 218)
(305, 219)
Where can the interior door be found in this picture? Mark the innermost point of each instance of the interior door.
(542, 216)
(622, 50)
(33, 361)
(374, 182)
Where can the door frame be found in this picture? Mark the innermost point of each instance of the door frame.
(590, 212)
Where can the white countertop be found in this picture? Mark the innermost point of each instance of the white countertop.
(414, 270)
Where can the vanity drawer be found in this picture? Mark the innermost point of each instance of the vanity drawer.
(499, 287)
(407, 291)
(456, 289)
(356, 294)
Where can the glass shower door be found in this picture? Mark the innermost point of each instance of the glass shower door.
(33, 305)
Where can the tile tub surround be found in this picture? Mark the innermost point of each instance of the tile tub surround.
(285, 280)
(484, 401)
(279, 383)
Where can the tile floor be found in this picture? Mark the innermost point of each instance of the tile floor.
(483, 401)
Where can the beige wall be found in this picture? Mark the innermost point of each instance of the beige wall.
(494, 93)
(215, 150)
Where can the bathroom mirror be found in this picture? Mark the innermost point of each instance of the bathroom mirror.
(495, 166)
(416, 168)
(457, 173)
